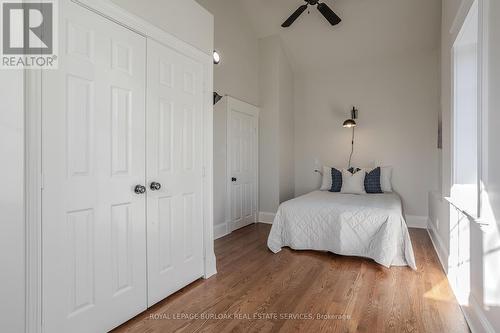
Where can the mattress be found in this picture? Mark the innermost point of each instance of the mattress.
(370, 225)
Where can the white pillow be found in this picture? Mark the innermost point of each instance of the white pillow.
(353, 183)
(385, 179)
(326, 183)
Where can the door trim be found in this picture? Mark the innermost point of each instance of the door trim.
(33, 184)
(255, 111)
(33, 173)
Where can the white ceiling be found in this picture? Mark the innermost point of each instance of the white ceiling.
(371, 29)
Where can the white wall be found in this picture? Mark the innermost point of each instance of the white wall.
(276, 127)
(11, 202)
(398, 101)
(286, 129)
(238, 73)
(269, 156)
(184, 19)
(259, 73)
(475, 278)
(221, 221)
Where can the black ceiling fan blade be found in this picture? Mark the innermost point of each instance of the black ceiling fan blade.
(294, 16)
(329, 14)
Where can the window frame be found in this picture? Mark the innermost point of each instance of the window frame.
(482, 7)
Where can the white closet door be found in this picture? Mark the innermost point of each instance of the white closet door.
(174, 160)
(242, 162)
(94, 240)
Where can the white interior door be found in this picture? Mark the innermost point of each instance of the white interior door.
(242, 136)
(93, 224)
(174, 161)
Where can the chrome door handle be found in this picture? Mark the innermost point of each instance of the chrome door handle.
(154, 186)
(139, 189)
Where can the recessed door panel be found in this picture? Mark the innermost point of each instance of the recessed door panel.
(121, 100)
(166, 136)
(187, 222)
(80, 41)
(79, 109)
(188, 138)
(121, 248)
(165, 234)
(80, 226)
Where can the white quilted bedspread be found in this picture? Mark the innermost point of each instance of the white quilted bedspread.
(370, 225)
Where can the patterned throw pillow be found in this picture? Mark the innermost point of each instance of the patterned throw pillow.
(353, 170)
(336, 180)
(353, 183)
(372, 181)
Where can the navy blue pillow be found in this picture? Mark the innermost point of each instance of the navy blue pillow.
(336, 180)
(372, 181)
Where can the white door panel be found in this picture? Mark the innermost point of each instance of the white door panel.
(174, 160)
(94, 241)
(242, 162)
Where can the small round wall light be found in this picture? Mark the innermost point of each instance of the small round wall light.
(216, 57)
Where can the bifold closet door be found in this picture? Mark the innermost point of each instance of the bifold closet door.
(93, 223)
(174, 171)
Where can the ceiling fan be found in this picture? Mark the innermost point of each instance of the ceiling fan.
(323, 9)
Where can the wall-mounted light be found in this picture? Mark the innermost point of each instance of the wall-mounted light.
(217, 97)
(351, 123)
(216, 57)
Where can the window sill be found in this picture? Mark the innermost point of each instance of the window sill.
(470, 216)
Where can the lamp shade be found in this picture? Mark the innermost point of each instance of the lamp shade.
(349, 123)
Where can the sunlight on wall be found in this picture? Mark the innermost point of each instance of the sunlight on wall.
(492, 269)
(471, 245)
(491, 254)
(459, 256)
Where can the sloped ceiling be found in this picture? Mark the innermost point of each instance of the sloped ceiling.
(371, 29)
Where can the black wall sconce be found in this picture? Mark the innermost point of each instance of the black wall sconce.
(217, 97)
(351, 123)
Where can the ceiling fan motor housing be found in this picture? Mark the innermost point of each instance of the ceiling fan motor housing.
(323, 8)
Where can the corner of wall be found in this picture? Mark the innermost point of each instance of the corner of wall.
(420, 222)
(276, 132)
(265, 217)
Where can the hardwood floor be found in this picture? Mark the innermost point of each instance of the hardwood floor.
(258, 291)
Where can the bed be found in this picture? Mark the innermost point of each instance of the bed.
(369, 225)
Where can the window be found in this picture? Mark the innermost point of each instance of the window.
(465, 190)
